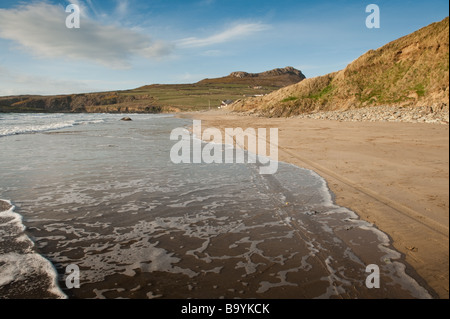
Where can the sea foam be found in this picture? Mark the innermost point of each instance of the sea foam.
(23, 272)
(43, 127)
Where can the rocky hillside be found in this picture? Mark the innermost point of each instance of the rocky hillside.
(410, 71)
(277, 77)
(92, 102)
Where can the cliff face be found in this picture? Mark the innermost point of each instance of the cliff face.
(410, 71)
(94, 102)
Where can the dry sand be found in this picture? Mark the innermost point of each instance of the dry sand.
(394, 175)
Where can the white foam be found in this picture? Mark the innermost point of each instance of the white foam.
(20, 267)
(34, 128)
(265, 285)
(336, 283)
(150, 295)
(24, 264)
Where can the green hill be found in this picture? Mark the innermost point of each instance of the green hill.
(159, 98)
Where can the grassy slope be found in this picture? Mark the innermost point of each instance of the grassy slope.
(197, 96)
(413, 70)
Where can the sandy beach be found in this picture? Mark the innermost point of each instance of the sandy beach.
(394, 175)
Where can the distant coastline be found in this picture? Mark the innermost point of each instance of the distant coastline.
(159, 98)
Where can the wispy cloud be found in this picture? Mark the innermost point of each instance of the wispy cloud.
(235, 32)
(122, 7)
(93, 7)
(40, 29)
(17, 83)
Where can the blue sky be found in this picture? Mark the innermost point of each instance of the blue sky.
(124, 44)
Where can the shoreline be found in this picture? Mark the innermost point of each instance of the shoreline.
(24, 272)
(389, 173)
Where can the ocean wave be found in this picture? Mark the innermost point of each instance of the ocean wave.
(44, 127)
(23, 272)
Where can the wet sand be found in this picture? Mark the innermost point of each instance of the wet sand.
(394, 175)
(4, 206)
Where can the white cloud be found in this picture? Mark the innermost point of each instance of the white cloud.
(40, 29)
(17, 83)
(236, 32)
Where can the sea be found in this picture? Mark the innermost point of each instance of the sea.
(93, 208)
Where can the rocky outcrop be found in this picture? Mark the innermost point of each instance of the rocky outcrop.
(274, 78)
(275, 72)
(241, 75)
